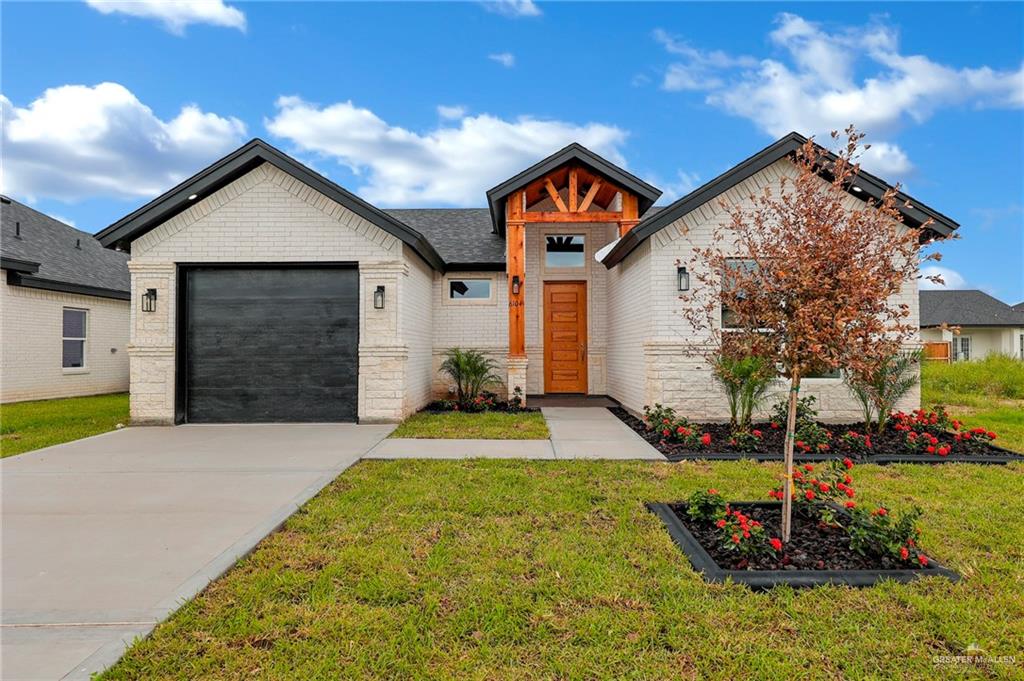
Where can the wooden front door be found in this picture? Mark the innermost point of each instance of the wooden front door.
(565, 337)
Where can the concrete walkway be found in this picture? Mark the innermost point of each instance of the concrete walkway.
(576, 433)
(106, 536)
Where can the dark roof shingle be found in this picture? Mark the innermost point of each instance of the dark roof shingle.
(52, 244)
(462, 236)
(966, 308)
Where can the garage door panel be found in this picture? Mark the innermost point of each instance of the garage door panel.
(271, 344)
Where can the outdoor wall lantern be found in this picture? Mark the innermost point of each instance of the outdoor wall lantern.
(378, 298)
(149, 300)
(515, 284)
(684, 278)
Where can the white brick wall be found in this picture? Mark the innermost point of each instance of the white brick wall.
(469, 324)
(268, 216)
(629, 324)
(675, 370)
(32, 327)
(416, 318)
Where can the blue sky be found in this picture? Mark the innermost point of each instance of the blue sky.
(107, 104)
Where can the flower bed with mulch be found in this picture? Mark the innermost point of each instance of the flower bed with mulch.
(483, 402)
(833, 539)
(919, 437)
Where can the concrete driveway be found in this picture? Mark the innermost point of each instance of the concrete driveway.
(104, 537)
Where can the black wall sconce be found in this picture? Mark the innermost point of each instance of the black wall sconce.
(378, 298)
(149, 300)
(684, 278)
(515, 284)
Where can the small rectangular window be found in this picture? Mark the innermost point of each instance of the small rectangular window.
(74, 338)
(564, 250)
(469, 289)
(962, 349)
(729, 319)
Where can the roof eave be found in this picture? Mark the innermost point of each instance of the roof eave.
(237, 164)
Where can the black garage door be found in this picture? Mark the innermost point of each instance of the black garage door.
(270, 344)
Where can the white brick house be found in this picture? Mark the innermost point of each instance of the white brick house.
(64, 305)
(274, 294)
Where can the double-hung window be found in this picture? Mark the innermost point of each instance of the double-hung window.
(74, 337)
(961, 348)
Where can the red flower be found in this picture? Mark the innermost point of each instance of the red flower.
(851, 504)
(666, 432)
(735, 539)
(774, 425)
(712, 490)
(881, 511)
(776, 543)
(809, 494)
(849, 492)
(823, 447)
(991, 435)
(705, 439)
(848, 463)
(756, 433)
(808, 467)
(867, 442)
(922, 559)
(847, 479)
(800, 443)
(721, 523)
(904, 553)
(746, 534)
(930, 449)
(823, 487)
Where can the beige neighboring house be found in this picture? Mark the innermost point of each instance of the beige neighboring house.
(64, 309)
(266, 292)
(987, 326)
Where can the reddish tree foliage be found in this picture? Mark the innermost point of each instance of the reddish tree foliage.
(810, 276)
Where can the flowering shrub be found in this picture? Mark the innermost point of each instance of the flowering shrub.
(811, 437)
(705, 505)
(674, 428)
(979, 435)
(816, 485)
(936, 421)
(746, 536)
(879, 531)
(856, 442)
(746, 440)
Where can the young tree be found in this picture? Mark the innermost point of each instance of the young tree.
(809, 276)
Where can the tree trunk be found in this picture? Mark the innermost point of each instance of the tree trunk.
(787, 484)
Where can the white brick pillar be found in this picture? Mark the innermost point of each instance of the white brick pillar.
(383, 358)
(151, 348)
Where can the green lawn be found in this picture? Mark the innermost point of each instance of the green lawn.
(524, 570)
(25, 426)
(987, 393)
(483, 426)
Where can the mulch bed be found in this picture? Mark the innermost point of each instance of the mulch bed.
(816, 554)
(887, 447)
(444, 407)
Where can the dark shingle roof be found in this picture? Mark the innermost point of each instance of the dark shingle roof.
(51, 244)
(462, 236)
(966, 308)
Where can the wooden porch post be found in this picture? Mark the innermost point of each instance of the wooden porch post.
(630, 213)
(515, 239)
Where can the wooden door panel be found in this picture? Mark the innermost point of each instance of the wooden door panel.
(565, 337)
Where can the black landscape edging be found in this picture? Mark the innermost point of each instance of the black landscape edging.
(762, 580)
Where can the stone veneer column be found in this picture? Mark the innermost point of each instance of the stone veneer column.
(517, 376)
(151, 346)
(383, 358)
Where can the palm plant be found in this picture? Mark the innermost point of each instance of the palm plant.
(746, 380)
(471, 370)
(879, 388)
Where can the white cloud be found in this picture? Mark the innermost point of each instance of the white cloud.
(506, 59)
(451, 112)
(513, 8)
(176, 15)
(814, 87)
(453, 164)
(77, 141)
(683, 184)
(951, 278)
(61, 218)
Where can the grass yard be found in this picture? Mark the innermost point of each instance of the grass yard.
(524, 570)
(25, 426)
(986, 393)
(489, 425)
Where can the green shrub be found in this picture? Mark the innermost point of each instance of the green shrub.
(471, 370)
(879, 389)
(746, 381)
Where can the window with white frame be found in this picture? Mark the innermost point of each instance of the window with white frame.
(729, 319)
(469, 289)
(961, 348)
(74, 336)
(564, 250)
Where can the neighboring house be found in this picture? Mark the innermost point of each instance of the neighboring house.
(277, 295)
(64, 309)
(986, 325)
